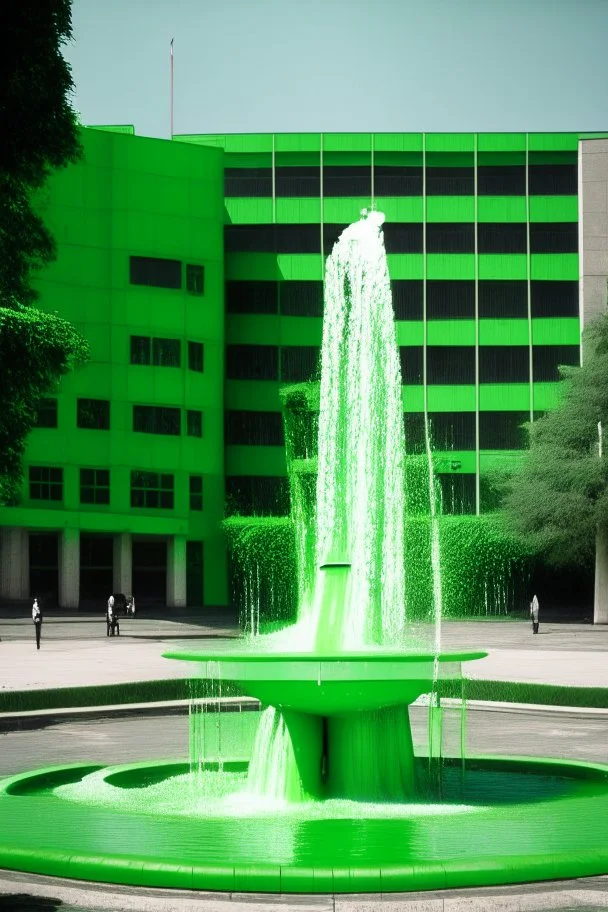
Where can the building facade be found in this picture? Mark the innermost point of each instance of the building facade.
(195, 269)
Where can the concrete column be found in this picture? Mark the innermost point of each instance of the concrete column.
(176, 571)
(123, 564)
(600, 600)
(69, 568)
(14, 564)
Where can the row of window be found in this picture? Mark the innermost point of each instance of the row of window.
(160, 352)
(408, 237)
(94, 415)
(290, 363)
(148, 489)
(157, 272)
(445, 299)
(401, 180)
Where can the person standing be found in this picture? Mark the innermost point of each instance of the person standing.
(37, 619)
(110, 616)
(534, 609)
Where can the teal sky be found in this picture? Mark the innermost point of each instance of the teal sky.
(342, 65)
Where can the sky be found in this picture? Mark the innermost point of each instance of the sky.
(257, 66)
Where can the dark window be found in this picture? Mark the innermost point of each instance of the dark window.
(254, 428)
(46, 415)
(411, 364)
(156, 272)
(507, 237)
(298, 238)
(501, 180)
(94, 486)
(445, 237)
(156, 419)
(450, 300)
(195, 279)
(93, 414)
(347, 180)
(554, 237)
(504, 364)
(249, 239)
(248, 182)
(450, 364)
(403, 237)
(196, 492)
(506, 299)
(252, 297)
(450, 181)
(46, 483)
(141, 350)
(457, 493)
(331, 234)
(194, 423)
(195, 356)
(152, 489)
(554, 299)
(452, 430)
(552, 180)
(503, 430)
(301, 299)
(414, 433)
(257, 495)
(298, 181)
(252, 362)
(166, 352)
(547, 358)
(299, 363)
(408, 298)
(397, 180)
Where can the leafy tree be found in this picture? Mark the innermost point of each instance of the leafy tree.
(39, 134)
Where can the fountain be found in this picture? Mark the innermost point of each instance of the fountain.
(330, 796)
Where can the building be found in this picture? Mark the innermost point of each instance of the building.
(174, 255)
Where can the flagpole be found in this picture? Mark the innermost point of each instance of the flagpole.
(171, 82)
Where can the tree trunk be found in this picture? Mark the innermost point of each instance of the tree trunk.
(600, 601)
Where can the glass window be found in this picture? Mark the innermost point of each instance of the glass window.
(554, 237)
(397, 180)
(156, 272)
(156, 419)
(196, 492)
(507, 237)
(446, 300)
(403, 237)
(299, 363)
(141, 350)
(93, 414)
(46, 416)
(195, 279)
(503, 430)
(195, 422)
(504, 364)
(554, 299)
(257, 495)
(442, 181)
(152, 490)
(248, 182)
(166, 352)
(298, 238)
(414, 434)
(450, 364)
(298, 181)
(501, 180)
(546, 360)
(347, 180)
(94, 486)
(254, 428)
(457, 493)
(331, 234)
(446, 237)
(301, 299)
(252, 362)
(46, 483)
(249, 239)
(195, 356)
(408, 300)
(252, 297)
(411, 364)
(553, 180)
(452, 430)
(506, 299)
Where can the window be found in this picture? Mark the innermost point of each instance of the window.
(299, 363)
(407, 298)
(403, 237)
(298, 238)
(252, 297)
(504, 364)
(94, 486)
(244, 428)
(331, 234)
(46, 483)
(506, 299)
(257, 495)
(195, 279)
(303, 238)
(155, 272)
(449, 181)
(452, 430)
(501, 180)
(507, 237)
(547, 358)
(248, 182)
(555, 237)
(411, 364)
(301, 299)
(450, 300)
(252, 362)
(46, 416)
(503, 430)
(196, 492)
(93, 414)
(445, 237)
(151, 490)
(194, 421)
(157, 351)
(554, 299)
(156, 419)
(552, 180)
(450, 364)
(414, 434)
(298, 181)
(457, 493)
(195, 356)
(347, 180)
(397, 180)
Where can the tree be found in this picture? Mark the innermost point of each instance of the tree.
(558, 496)
(40, 134)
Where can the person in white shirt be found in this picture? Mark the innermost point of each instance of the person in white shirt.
(110, 616)
(534, 609)
(37, 619)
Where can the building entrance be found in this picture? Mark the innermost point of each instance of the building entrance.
(150, 571)
(44, 568)
(194, 574)
(96, 569)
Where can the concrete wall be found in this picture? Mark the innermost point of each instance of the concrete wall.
(593, 226)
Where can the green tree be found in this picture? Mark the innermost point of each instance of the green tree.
(40, 134)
